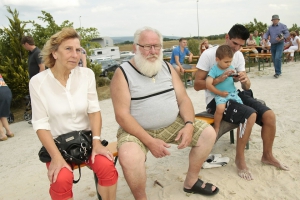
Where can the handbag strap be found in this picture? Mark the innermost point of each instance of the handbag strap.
(79, 169)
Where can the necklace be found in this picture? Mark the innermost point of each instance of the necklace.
(152, 77)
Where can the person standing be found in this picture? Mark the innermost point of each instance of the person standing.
(5, 100)
(35, 64)
(277, 32)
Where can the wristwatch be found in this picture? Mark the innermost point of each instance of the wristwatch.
(189, 122)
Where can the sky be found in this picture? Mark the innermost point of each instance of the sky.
(182, 18)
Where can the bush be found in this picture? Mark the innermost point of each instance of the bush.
(102, 81)
(110, 75)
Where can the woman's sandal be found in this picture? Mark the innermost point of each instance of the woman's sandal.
(197, 188)
(10, 135)
(3, 138)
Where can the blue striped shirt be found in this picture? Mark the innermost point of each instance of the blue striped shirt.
(275, 30)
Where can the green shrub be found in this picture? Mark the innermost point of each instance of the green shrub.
(102, 81)
(110, 75)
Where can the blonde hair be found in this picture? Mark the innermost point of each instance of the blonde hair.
(53, 43)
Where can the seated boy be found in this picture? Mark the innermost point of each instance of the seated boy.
(226, 89)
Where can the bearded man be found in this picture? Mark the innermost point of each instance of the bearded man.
(153, 109)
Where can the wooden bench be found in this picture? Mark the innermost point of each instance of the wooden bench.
(112, 147)
(260, 58)
(224, 126)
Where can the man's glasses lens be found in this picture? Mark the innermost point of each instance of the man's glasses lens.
(149, 47)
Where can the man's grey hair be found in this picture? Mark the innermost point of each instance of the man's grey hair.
(138, 32)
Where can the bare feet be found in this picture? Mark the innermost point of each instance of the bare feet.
(275, 163)
(243, 170)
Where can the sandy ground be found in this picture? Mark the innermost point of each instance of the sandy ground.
(23, 176)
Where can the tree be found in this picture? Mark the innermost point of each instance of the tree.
(13, 66)
(259, 26)
(193, 45)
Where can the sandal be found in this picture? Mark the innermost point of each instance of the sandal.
(197, 188)
(10, 135)
(3, 138)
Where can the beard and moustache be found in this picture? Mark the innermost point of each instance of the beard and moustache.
(147, 67)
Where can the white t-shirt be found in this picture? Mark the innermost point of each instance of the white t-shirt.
(63, 109)
(208, 59)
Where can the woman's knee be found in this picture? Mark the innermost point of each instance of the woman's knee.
(105, 171)
(62, 187)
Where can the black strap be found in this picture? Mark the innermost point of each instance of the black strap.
(124, 75)
(79, 169)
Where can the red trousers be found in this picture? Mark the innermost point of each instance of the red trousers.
(102, 167)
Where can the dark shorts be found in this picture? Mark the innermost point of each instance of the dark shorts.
(237, 113)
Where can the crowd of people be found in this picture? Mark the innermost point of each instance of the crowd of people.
(150, 104)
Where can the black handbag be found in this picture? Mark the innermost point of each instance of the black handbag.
(75, 147)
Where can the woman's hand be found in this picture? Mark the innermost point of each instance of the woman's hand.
(55, 166)
(98, 148)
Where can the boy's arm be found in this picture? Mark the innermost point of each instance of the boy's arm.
(212, 88)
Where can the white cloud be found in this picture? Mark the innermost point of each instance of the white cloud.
(42, 4)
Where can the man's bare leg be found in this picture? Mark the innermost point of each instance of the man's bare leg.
(268, 131)
(198, 155)
(132, 160)
(240, 162)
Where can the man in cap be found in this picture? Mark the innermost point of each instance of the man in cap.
(277, 32)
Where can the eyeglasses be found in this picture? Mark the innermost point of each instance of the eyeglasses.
(149, 47)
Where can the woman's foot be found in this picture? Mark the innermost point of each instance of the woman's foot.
(2, 138)
(10, 135)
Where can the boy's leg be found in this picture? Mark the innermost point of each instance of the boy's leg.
(218, 117)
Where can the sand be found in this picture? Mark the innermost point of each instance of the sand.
(23, 176)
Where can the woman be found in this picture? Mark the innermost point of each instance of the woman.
(203, 46)
(64, 99)
(295, 45)
(5, 100)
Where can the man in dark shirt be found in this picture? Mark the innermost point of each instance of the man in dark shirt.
(35, 64)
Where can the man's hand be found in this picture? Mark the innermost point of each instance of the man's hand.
(185, 134)
(158, 148)
(242, 77)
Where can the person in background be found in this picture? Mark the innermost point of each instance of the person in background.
(257, 39)
(153, 109)
(5, 100)
(265, 46)
(82, 61)
(204, 45)
(277, 32)
(178, 57)
(251, 43)
(287, 43)
(64, 99)
(295, 45)
(35, 64)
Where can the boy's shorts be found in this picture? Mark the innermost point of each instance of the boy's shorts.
(167, 134)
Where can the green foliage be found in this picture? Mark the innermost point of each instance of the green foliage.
(102, 81)
(110, 75)
(294, 28)
(126, 42)
(259, 26)
(193, 46)
(95, 67)
(16, 77)
(13, 62)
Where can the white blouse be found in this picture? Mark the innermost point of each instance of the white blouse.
(63, 109)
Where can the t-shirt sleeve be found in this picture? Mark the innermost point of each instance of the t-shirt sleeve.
(212, 72)
(204, 62)
(239, 62)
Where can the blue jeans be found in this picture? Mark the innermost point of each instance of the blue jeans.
(276, 51)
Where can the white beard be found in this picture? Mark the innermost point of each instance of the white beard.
(146, 67)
